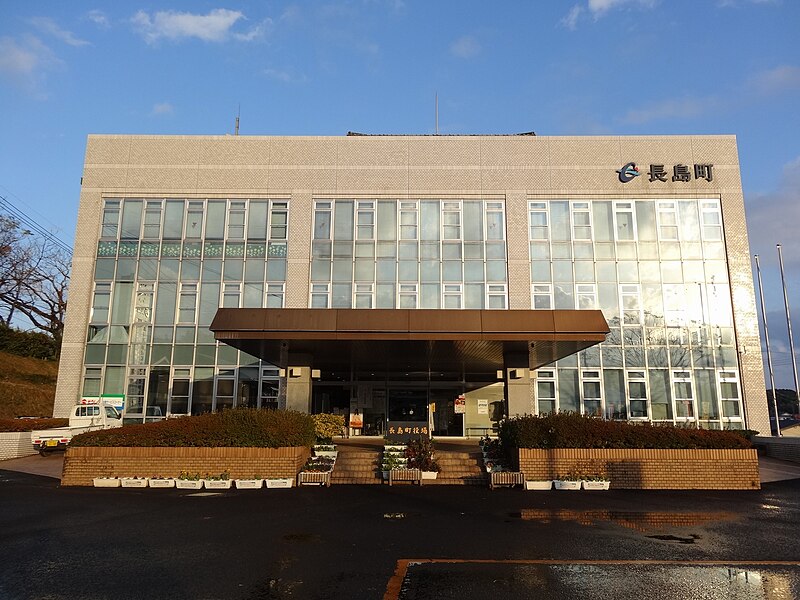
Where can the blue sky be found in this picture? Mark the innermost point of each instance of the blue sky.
(579, 67)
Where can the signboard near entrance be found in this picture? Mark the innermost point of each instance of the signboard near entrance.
(461, 405)
(403, 431)
(483, 406)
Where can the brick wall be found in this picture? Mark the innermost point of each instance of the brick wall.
(81, 465)
(651, 469)
(783, 448)
(15, 445)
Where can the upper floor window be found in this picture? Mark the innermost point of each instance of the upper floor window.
(110, 219)
(667, 221)
(581, 221)
(711, 221)
(624, 221)
(539, 221)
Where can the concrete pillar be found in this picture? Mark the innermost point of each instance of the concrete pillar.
(298, 382)
(516, 376)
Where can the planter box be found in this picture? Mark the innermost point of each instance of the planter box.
(430, 474)
(314, 478)
(249, 484)
(105, 482)
(596, 485)
(509, 478)
(130, 482)
(280, 483)
(539, 485)
(327, 453)
(650, 469)
(218, 484)
(189, 484)
(161, 483)
(412, 475)
(567, 485)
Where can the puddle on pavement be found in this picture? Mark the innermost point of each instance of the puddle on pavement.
(396, 515)
(676, 538)
(643, 522)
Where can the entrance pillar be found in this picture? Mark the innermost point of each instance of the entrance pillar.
(299, 382)
(516, 377)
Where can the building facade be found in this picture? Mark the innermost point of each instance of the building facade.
(440, 279)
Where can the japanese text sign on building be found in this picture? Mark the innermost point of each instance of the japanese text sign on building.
(660, 172)
(460, 405)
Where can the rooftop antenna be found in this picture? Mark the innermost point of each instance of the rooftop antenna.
(436, 101)
(236, 128)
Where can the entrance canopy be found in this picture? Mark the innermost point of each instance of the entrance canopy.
(411, 340)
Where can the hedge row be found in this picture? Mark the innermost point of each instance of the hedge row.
(27, 343)
(11, 425)
(572, 430)
(229, 428)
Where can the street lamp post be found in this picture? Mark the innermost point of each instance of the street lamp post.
(769, 354)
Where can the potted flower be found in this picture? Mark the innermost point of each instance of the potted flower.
(255, 483)
(189, 481)
(317, 470)
(596, 478)
(105, 482)
(571, 480)
(279, 482)
(133, 482)
(419, 453)
(391, 462)
(157, 481)
(326, 450)
(218, 482)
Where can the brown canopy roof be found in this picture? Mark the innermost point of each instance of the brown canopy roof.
(409, 339)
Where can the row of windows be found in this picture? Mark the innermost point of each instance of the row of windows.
(132, 219)
(655, 394)
(412, 295)
(663, 220)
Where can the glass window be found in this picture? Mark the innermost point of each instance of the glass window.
(279, 220)
(231, 292)
(581, 221)
(363, 295)
(343, 220)
(631, 303)
(538, 221)
(320, 295)
(545, 392)
(637, 392)
(187, 307)
(586, 296)
(257, 220)
(683, 394)
(131, 219)
(194, 220)
(408, 296)
(101, 302)
(711, 220)
(451, 221)
(111, 212)
(408, 220)
(624, 221)
(542, 295)
(591, 393)
(322, 221)
(366, 221)
(497, 298)
(236, 220)
(667, 221)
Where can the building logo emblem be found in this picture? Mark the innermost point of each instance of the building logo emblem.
(628, 172)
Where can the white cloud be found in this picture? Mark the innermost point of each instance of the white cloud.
(285, 76)
(213, 27)
(162, 108)
(99, 18)
(730, 3)
(571, 20)
(50, 27)
(772, 217)
(680, 108)
(775, 81)
(598, 8)
(25, 62)
(465, 47)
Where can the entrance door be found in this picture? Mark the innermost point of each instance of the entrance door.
(446, 421)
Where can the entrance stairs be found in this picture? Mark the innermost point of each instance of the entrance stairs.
(462, 467)
(357, 466)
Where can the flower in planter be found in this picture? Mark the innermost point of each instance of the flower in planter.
(419, 453)
(318, 464)
(186, 476)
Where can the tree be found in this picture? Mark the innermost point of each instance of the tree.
(34, 276)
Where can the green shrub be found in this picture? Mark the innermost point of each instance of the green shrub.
(10, 425)
(229, 428)
(327, 426)
(27, 343)
(572, 430)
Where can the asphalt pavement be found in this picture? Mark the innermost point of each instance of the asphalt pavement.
(403, 542)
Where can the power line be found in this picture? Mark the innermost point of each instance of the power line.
(31, 224)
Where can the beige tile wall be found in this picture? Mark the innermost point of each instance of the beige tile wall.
(514, 168)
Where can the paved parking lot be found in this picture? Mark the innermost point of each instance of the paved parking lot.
(352, 542)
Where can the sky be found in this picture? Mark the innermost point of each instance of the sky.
(577, 67)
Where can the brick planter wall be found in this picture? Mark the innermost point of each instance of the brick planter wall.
(15, 444)
(783, 448)
(651, 469)
(81, 465)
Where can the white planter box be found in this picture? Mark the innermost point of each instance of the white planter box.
(130, 482)
(430, 474)
(327, 453)
(249, 484)
(189, 484)
(161, 483)
(539, 485)
(280, 483)
(596, 485)
(567, 485)
(105, 482)
(218, 484)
